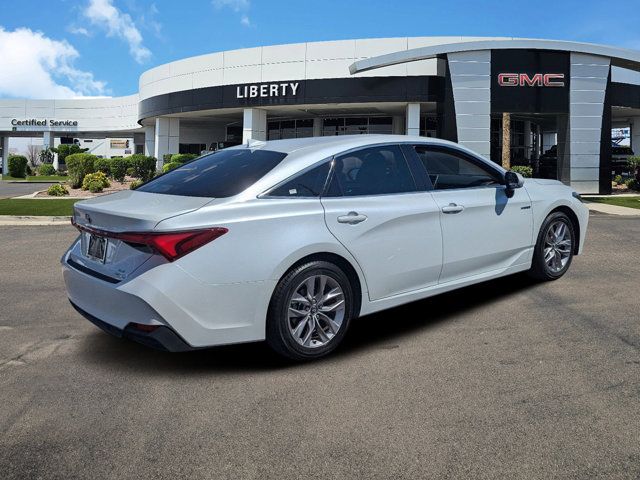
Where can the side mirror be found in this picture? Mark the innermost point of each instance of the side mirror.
(512, 180)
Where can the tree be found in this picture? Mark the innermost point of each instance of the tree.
(506, 141)
(33, 154)
(65, 150)
(46, 155)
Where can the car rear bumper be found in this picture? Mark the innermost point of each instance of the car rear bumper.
(202, 315)
(162, 338)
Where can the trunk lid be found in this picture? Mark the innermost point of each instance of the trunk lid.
(127, 211)
(133, 211)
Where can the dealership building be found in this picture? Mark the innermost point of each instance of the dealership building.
(564, 99)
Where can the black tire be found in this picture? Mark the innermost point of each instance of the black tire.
(278, 333)
(540, 270)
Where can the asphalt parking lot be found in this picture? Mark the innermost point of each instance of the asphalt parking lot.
(14, 189)
(507, 379)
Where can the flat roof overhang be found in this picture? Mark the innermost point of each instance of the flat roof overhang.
(620, 57)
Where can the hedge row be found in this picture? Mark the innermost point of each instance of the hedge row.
(81, 164)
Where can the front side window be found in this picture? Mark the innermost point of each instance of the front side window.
(218, 175)
(305, 184)
(449, 169)
(372, 171)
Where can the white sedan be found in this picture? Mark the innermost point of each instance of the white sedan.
(288, 241)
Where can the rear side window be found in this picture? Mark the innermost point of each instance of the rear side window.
(306, 184)
(449, 169)
(371, 171)
(218, 175)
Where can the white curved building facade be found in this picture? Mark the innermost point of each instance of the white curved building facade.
(563, 97)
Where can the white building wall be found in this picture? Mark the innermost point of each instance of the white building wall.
(589, 74)
(301, 61)
(92, 114)
(471, 82)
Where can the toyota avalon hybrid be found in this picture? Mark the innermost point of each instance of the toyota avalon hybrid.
(288, 241)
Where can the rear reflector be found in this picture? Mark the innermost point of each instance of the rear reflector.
(171, 245)
(144, 328)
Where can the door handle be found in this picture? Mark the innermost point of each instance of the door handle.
(452, 208)
(352, 218)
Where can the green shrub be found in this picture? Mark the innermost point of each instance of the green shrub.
(18, 166)
(57, 190)
(182, 157)
(632, 184)
(135, 184)
(526, 172)
(95, 182)
(170, 166)
(166, 158)
(617, 180)
(66, 150)
(102, 165)
(46, 169)
(119, 168)
(79, 165)
(29, 171)
(144, 167)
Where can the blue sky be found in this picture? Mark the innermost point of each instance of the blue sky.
(65, 48)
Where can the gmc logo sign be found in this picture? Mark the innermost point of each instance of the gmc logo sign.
(537, 80)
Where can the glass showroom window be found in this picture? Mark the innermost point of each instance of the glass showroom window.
(356, 125)
(282, 129)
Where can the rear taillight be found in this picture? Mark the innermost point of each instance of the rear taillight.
(171, 245)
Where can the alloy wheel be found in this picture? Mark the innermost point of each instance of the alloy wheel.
(557, 246)
(316, 311)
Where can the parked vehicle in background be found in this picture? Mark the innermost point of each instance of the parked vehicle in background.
(290, 240)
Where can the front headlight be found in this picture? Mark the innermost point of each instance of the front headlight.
(577, 195)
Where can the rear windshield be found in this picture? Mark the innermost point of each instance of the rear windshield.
(218, 175)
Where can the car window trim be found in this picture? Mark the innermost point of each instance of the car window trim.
(266, 194)
(494, 172)
(416, 184)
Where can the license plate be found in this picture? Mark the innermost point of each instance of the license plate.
(97, 249)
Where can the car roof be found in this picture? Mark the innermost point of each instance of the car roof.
(302, 153)
(340, 142)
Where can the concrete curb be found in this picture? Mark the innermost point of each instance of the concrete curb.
(612, 209)
(14, 220)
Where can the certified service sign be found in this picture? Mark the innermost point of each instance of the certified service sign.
(33, 122)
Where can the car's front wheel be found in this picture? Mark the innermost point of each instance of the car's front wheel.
(554, 249)
(310, 311)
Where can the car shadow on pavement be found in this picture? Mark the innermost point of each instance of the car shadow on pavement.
(378, 330)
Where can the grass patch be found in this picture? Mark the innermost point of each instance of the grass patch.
(45, 207)
(38, 178)
(631, 202)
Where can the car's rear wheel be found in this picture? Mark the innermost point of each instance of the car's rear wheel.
(554, 248)
(310, 311)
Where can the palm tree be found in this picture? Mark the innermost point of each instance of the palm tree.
(506, 140)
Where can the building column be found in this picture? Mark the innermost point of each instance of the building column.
(4, 144)
(527, 139)
(471, 87)
(634, 123)
(150, 141)
(166, 138)
(317, 127)
(413, 119)
(254, 125)
(587, 90)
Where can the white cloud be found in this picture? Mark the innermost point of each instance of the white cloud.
(104, 15)
(235, 5)
(35, 66)
(78, 30)
(238, 6)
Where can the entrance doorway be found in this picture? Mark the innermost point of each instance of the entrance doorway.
(538, 141)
